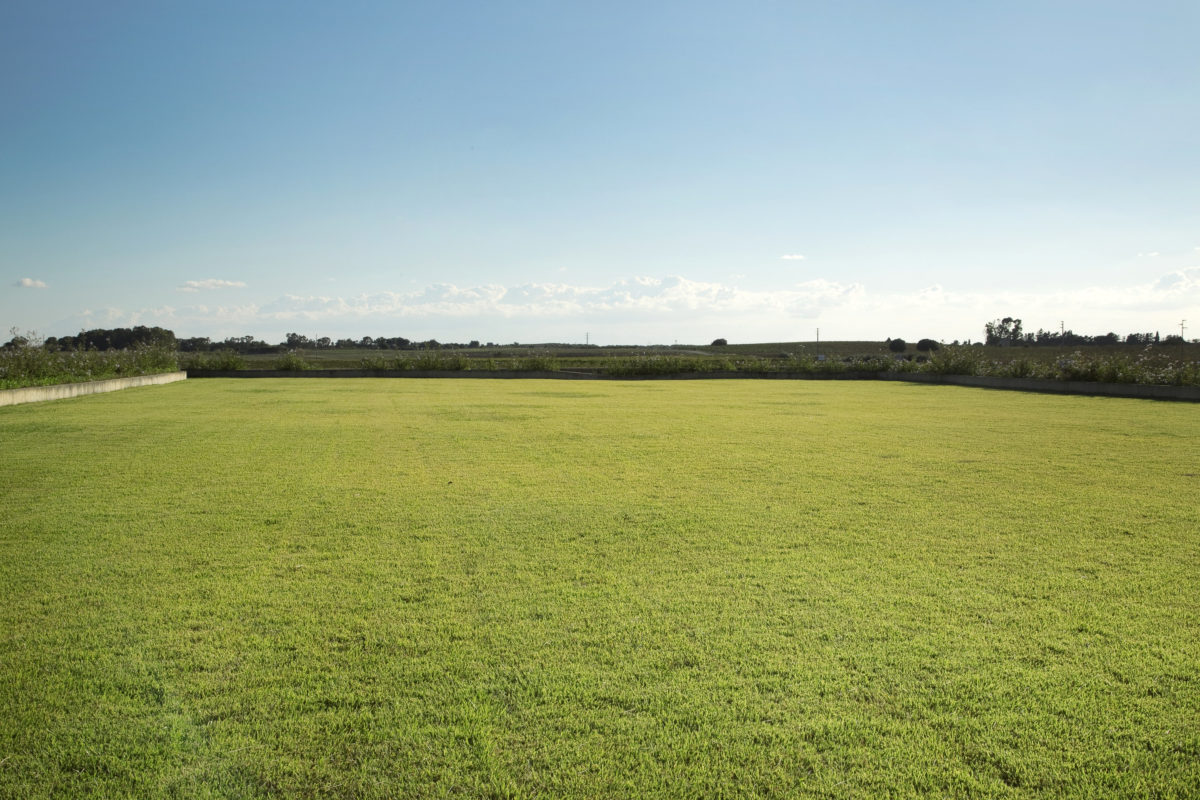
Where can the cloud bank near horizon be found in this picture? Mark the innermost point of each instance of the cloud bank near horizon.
(674, 308)
(211, 283)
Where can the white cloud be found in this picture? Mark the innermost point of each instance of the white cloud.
(30, 283)
(642, 309)
(792, 257)
(211, 283)
(637, 303)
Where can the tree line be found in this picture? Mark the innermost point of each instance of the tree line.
(102, 339)
(141, 336)
(1008, 332)
(297, 341)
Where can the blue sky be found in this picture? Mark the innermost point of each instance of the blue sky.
(636, 173)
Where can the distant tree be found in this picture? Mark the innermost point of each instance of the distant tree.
(195, 344)
(719, 342)
(1016, 331)
(1173, 338)
(928, 346)
(295, 340)
(897, 345)
(1003, 332)
(16, 342)
(118, 339)
(157, 336)
(247, 344)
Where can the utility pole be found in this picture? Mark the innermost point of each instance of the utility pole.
(586, 336)
(1181, 327)
(1062, 329)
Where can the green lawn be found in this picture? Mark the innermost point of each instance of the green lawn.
(407, 588)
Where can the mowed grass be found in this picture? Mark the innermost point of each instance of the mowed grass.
(476, 588)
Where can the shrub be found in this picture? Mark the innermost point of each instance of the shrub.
(376, 363)
(149, 359)
(897, 345)
(955, 361)
(291, 361)
(223, 360)
(673, 365)
(25, 361)
(436, 361)
(1018, 368)
(536, 364)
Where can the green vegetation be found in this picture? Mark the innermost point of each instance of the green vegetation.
(27, 361)
(1177, 365)
(1009, 352)
(665, 365)
(1147, 365)
(380, 588)
(225, 360)
(291, 361)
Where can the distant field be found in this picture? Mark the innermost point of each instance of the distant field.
(384, 588)
(351, 357)
(580, 355)
(1168, 364)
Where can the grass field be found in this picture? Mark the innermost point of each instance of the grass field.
(408, 588)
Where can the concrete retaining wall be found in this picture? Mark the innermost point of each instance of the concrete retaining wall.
(366, 373)
(36, 394)
(1134, 390)
(561, 375)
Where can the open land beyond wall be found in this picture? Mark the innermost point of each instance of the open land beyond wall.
(380, 588)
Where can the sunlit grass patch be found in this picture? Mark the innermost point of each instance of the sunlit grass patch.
(389, 588)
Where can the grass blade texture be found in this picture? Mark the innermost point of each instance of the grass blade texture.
(410, 588)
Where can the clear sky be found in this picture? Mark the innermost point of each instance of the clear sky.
(632, 172)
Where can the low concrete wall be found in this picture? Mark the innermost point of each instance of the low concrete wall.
(1135, 390)
(36, 394)
(407, 373)
(560, 375)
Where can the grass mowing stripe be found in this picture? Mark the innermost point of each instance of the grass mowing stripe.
(439, 588)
